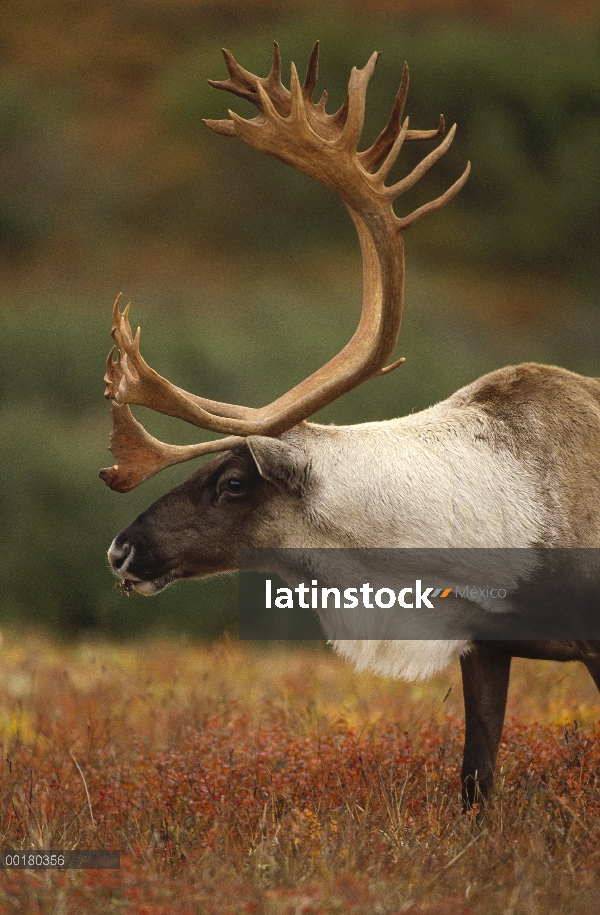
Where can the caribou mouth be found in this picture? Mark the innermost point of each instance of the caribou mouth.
(147, 588)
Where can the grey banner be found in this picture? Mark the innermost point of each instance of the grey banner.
(59, 859)
(502, 594)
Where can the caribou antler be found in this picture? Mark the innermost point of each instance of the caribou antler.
(290, 127)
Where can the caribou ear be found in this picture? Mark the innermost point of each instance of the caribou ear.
(279, 463)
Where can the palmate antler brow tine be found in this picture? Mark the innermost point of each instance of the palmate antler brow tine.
(139, 455)
(292, 128)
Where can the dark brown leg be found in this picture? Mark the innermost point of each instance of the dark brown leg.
(485, 674)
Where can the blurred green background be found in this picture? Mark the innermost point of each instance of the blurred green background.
(244, 275)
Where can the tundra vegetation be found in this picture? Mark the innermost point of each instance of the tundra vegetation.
(238, 780)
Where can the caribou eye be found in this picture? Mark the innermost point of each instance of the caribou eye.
(232, 486)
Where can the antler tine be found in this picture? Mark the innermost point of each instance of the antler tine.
(357, 91)
(424, 165)
(370, 158)
(237, 72)
(246, 85)
(323, 100)
(298, 112)
(272, 83)
(429, 134)
(387, 164)
(275, 73)
(241, 82)
(223, 126)
(312, 73)
(276, 93)
(373, 156)
(407, 221)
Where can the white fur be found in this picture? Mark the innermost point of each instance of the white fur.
(432, 479)
(403, 659)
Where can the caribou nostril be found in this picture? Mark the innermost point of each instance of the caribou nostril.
(119, 554)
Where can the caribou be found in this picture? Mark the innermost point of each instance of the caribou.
(510, 460)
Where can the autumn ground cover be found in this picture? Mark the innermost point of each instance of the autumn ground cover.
(235, 779)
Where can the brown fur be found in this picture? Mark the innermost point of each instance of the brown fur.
(550, 419)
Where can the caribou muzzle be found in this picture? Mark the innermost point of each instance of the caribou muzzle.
(135, 564)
